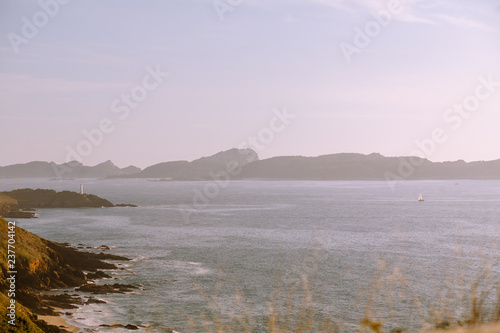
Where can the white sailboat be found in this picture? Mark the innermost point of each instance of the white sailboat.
(420, 197)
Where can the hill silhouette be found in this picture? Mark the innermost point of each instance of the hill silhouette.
(342, 166)
(350, 166)
(201, 168)
(72, 169)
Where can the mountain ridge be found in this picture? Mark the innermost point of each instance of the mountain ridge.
(73, 169)
(247, 165)
(200, 168)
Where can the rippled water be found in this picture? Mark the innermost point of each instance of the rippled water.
(250, 232)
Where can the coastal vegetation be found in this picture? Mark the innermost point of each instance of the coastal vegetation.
(21, 203)
(43, 198)
(43, 265)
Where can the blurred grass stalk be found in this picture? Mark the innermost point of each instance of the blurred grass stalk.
(467, 306)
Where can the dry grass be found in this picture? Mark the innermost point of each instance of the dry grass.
(292, 306)
(483, 328)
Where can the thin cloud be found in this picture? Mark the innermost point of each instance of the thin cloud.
(408, 8)
(411, 11)
(465, 22)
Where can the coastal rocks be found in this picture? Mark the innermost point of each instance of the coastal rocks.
(44, 265)
(86, 260)
(106, 288)
(125, 205)
(17, 214)
(46, 328)
(62, 301)
(128, 326)
(6, 204)
(98, 275)
(9, 208)
(93, 300)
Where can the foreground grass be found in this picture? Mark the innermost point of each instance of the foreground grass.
(292, 307)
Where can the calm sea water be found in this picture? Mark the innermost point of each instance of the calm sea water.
(365, 244)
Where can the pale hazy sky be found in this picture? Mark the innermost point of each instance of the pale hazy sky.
(226, 76)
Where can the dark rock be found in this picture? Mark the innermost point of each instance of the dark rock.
(128, 326)
(98, 275)
(63, 301)
(443, 325)
(125, 205)
(106, 288)
(16, 214)
(131, 327)
(93, 300)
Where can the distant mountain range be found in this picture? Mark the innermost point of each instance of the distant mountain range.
(67, 170)
(245, 164)
(349, 166)
(200, 168)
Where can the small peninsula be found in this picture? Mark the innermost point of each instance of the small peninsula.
(21, 203)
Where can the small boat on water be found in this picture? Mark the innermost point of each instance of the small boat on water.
(420, 197)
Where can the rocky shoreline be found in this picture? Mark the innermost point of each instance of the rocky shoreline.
(43, 266)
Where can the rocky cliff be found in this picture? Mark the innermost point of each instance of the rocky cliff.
(40, 265)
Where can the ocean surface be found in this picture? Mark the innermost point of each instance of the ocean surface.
(228, 248)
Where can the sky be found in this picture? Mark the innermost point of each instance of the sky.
(143, 82)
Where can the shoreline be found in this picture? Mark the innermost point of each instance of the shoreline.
(46, 271)
(60, 321)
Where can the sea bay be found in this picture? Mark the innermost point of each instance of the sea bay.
(363, 244)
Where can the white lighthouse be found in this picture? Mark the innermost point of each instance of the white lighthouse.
(81, 189)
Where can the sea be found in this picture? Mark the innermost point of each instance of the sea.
(234, 252)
